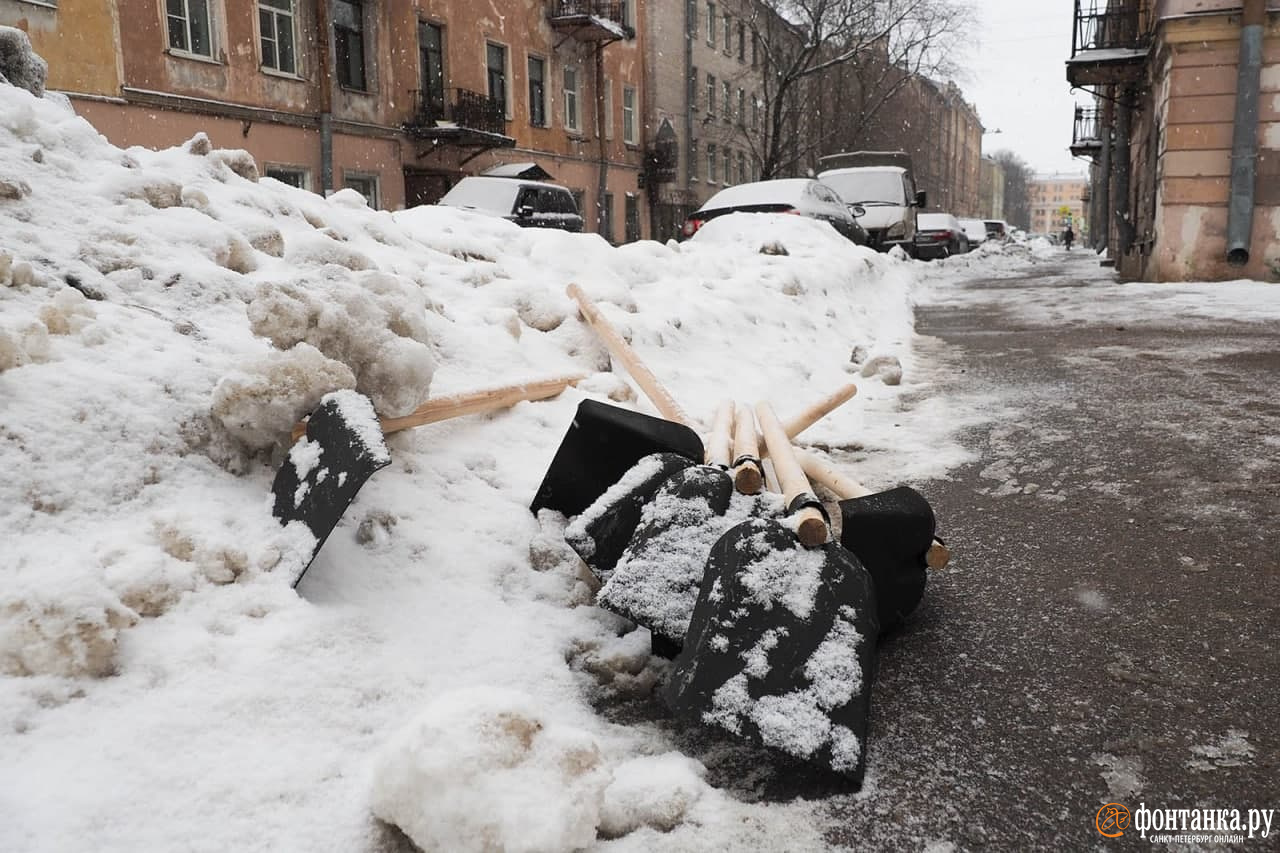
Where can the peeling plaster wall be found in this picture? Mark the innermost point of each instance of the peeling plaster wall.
(78, 39)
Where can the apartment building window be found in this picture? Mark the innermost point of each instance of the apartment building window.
(728, 34)
(693, 160)
(711, 94)
(712, 163)
(742, 107)
(496, 63)
(693, 88)
(431, 59)
(755, 48)
(275, 25)
(711, 24)
(631, 218)
(628, 115)
(348, 43)
(728, 100)
(294, 176)
(728, 166)
(571, 98)
(606, 218)
(366, 185)
(537, 91)
(755, 112)
(189, 26)
(742, 168)
(742, 42)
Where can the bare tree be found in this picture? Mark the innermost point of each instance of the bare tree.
(831, 65)
(1017, 188)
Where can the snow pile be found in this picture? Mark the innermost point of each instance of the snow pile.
(484, 770)
(166, 316)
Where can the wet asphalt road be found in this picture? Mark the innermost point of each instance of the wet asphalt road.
(1109, 629)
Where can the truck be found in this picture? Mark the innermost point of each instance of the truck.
(883, 183)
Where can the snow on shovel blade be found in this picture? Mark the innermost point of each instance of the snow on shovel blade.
(600, 446)
(657, 579)
(323, 471)
(890, 533)
(601, 533)
(781, 647)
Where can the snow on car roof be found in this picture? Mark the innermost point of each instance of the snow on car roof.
(856, 169)
(781, 191)
(925, 221)
(493, 194)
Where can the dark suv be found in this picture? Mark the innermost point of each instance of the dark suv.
(531, 204)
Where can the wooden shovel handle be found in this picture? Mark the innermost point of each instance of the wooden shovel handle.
(748, 475)
(470, 403)
(819, 410)
(717, 443)
(622, 351)
(810, 525)
(843, 486)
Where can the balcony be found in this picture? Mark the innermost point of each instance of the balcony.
(591, 20)
(1086, 139)
(461, 118)
(1109, 43)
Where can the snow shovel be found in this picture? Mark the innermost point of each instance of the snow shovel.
(782, 641)
(604, 529)
(655, 580)
(603, 442)
(321, 476)
(890, 532)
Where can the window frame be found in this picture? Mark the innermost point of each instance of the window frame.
(727, 91)
(339, 66)
(275, 13)
(727, 47)
(713, 164)
(187, 49)
(629, 124)
(373, 177)
(711, 94)
(541, 99)
(711, 24)
(506, 74)
(572, 99)
(281, 168)
(424, 73)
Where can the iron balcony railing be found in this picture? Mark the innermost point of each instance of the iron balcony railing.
(461, 107)
(1111, 24)
(609, 10)
(1088, 127)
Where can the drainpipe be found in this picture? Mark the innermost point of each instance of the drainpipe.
(1124, 217)
(324, 43)
(602, 185)
(1102, 221)
(1244, 140)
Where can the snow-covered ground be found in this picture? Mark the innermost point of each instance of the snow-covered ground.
(165, 317)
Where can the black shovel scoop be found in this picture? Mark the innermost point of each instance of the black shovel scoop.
(782, 641)
(892, 533)
(321, 475)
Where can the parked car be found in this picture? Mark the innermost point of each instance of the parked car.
(883, 184)
(800, 196)
(975, 230)
(997, 229)
(939, 235)
(531, 204)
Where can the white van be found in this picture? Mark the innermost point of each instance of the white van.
(885, 187)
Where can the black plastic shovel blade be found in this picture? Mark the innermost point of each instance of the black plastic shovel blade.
(323, 472)
(890, 533)
(781, 648)
(657, 579)
(602, 443)
(603, 530)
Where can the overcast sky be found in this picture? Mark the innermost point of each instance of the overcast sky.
(1015, 75)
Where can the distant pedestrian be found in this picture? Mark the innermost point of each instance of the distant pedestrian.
(1068, 236)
